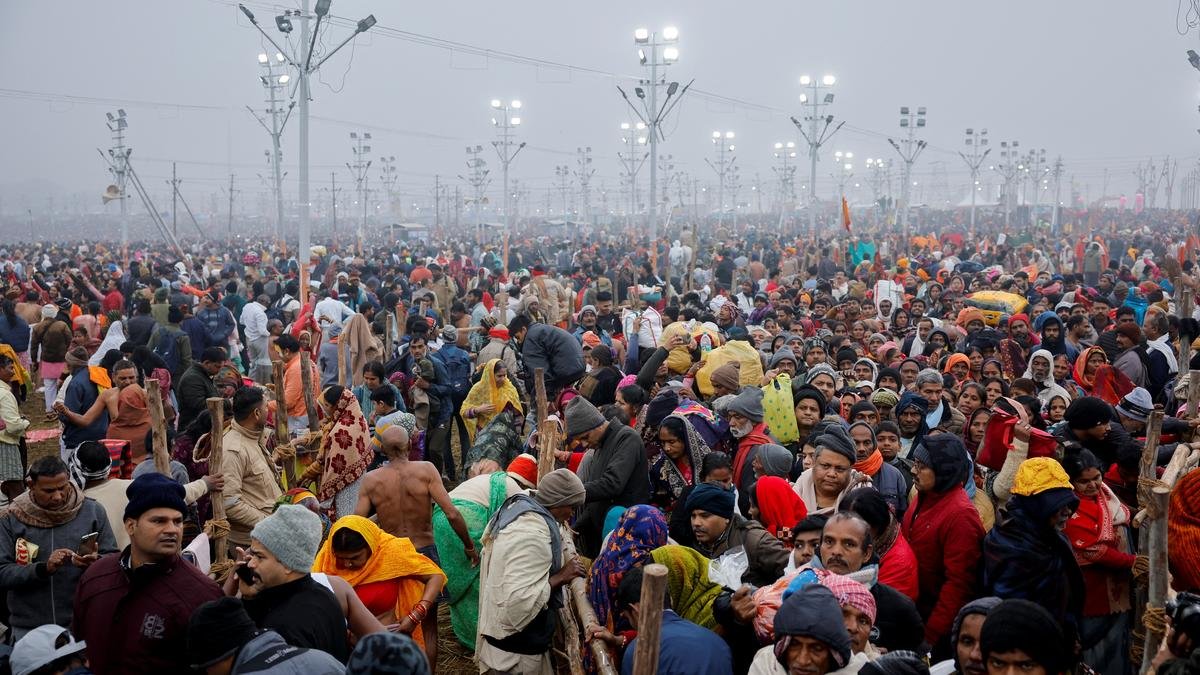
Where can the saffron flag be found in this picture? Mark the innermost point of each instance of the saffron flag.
(845, 214)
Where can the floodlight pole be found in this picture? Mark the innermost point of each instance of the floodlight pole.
(820, 131)
(975, 141)
(912, 149)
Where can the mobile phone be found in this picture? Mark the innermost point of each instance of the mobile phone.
(88, 543)
(244, 573)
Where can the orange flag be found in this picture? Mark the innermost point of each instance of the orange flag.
(845, 214)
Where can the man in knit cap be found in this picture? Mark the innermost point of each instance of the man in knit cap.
(810, 636)
(718, 528)
(1020, 636)
(726, 379)
(522, 574)
(222, 638)
(614, 476)
(283, 596)
(832, 473)
(134, 607)
(745, 414)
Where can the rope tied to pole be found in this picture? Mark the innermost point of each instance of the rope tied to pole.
(1141, 569)
(216, 528)
(220, 570)
(1145, 491)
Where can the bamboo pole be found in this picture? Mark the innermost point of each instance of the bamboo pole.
(216, 439)
(545, 446)
(1184, 310)
(650, 611)
(571, 638)
(587, 616)
(158, 422)
(502, 305)
(388, 344)
(401, 321)
(281, 417)
(1193, 392)
(1153, 617)
(1146, 472)
(310, 401)
(341, 362)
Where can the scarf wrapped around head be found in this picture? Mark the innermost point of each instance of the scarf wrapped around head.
(391, 558)
(696, 449)
(641, 529)
(487, 391)
(346, 449)
(692, 594)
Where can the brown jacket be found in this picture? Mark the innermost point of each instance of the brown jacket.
(251, 482)
(50, 342)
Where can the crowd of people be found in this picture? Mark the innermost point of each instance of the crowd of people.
(872, 455)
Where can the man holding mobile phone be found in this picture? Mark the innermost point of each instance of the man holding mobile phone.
(41, 560)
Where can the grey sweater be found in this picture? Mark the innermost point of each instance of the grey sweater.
(34, 596)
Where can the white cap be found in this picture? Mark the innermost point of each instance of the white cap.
(41, 646)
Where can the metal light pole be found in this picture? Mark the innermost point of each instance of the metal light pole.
(274, 83)
(506, 149)
(785, 173)
(359, 170)
(1057, 172)
(723, 166)
(390, 175)
(1035, 167)
(975, 142)
(302, 61)
(563, 174)
(820, 130)
(1010, 164)
(877, 181)
(656, 51)
(912, 149)
(845, 171)
(477, 179)
(119, 166)
(584, 174)
(633, 134)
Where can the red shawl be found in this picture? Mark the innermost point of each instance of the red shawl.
(757, 436)
(778, 504)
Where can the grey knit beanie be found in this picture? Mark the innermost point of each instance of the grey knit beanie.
(748, 403)
(582, 417)
(292, 534)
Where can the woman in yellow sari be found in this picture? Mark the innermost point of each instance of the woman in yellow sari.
(397, 584)
(490, 396)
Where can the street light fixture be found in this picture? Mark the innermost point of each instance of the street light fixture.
(506, 149)
(975, 142)
(912, 149)
(820, 130)
(656, 50)
(725, 168)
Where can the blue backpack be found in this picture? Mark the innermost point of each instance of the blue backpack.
(166, 349)
(458, 369)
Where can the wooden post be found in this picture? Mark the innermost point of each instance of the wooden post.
(310, 401)
(571, 638)
(1157, 592)
(401, 321)
(1146, 471)
(587, 616)
(216, 439)
(1193, 392)
(547, 438)
(502, 305)
(1184, 310)
(387, 337)
(654, 587)
(158, 421)
(341, 362)
(281, 416)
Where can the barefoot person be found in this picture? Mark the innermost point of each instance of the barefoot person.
(401, 495)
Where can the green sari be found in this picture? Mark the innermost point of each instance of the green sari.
(462, 580)
(692, 594)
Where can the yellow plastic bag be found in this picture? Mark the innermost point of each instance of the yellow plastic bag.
(735, 350)
(779, 410)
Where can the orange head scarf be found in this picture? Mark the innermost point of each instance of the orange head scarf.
(391, 558)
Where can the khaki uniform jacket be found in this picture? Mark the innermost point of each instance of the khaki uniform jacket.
(251, 482)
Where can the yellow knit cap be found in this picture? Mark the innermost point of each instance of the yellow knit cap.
(1039, 474)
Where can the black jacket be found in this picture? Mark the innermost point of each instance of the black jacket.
(305, 614)
(195, 386)
(616, 475)
(555, 351)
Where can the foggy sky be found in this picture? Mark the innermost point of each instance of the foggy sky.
(1103, 83)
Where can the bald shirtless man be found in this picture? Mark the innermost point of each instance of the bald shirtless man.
(401, 494)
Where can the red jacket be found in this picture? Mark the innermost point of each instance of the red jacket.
(946, 535)
(898, 568)
(135, 621)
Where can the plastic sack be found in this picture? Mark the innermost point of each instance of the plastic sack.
(728, 568)
(778, 409)
(735, 350)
